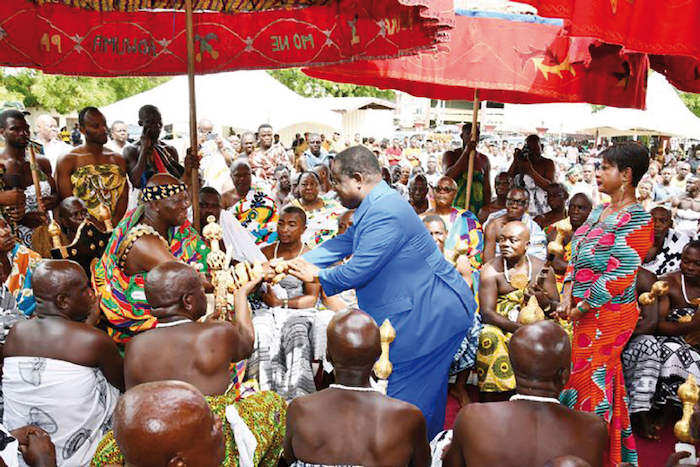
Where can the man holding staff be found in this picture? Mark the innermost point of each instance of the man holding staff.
(400, 275)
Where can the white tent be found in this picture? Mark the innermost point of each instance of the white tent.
(666, 114)
(241, 99)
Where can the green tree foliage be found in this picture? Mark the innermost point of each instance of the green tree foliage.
(70, 93)
(692, 101)
(298, 82)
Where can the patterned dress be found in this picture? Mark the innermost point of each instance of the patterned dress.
(321, 223)
(606, 254)
(258, 214)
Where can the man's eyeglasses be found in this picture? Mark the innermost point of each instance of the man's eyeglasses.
(516, 202)
(443, 189)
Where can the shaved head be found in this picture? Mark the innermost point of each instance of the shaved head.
(353, 340)
(167, 284)
(541, 353)
(514, 228)
(52, 278)
(448, 180)
(167, 421)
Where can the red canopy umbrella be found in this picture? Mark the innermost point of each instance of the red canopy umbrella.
(508, 58)
(655, 27)
(166, 37)
(148, 37)
(666, 30)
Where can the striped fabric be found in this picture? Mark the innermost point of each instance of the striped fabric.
(225, 6)
(124, 303)
(606, 254)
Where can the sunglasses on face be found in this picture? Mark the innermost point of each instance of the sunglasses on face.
(443, 189)
(516, 202)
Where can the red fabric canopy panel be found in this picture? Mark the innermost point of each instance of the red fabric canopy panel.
(62, 39)
(682, 72)
(660, 27)
(509, 59)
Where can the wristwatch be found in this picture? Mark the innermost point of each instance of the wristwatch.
(285, 303)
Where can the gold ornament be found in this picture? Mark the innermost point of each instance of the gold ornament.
(659, 289)
(688, 393)
(531, 313)
(519, 281)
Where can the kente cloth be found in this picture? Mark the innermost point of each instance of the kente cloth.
(299, 463)
(123, 301)
(265, 414)
(678, 360)
(23, 233)
(493, 366)
(258, 215)
(72, 403)
(19, 282)
(464, 226)
(641, 364)
(668, 259)
(686, 221)
(476, 200)
(313, 160)
(604, 261)
(538, 240)
(97, 185)
(321, 223)
(267, 161)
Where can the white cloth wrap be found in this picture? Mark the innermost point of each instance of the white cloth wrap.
(72, 403)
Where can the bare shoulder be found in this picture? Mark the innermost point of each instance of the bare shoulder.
(68, 159)
(673, 278)
(269, 251)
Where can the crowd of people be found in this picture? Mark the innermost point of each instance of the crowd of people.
(519, 298)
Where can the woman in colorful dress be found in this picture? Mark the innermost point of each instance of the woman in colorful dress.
(599, 295)
(321, 214)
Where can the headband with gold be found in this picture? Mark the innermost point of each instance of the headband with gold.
(158, 192)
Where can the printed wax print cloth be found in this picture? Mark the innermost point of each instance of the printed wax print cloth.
(321, 223)
(465, 357)
(641, 364)
(161, 162)
(257, 213)
(97, 185)
(538, 196)
(123, 301)
(19, 282)
(476, 200)
(72, 403)
(264, 163)
(606, 254)
(668, 259)
(678, 360)
(264, 413)
(493, 366)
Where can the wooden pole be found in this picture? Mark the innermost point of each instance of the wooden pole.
(193, 111)
(472, 154)
(35, 177)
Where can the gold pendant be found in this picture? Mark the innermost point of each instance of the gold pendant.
(519, 281)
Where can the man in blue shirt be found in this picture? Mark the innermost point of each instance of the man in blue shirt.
(398, 274)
